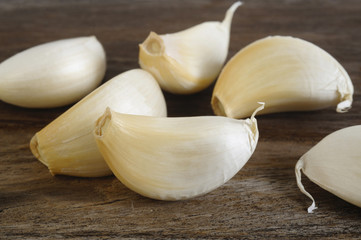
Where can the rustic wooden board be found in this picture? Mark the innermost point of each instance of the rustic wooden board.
(261, 202)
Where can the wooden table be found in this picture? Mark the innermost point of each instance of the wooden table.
(261, 202)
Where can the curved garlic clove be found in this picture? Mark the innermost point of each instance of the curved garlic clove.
(335, 165)
(190, 60)
(175, 158)
(53, 74)
(288, 74)
(67, 146)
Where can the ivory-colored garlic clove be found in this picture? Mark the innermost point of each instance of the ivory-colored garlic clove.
(288, 74)
(335, 165)
(53, 74)
(190, 60)
(175, 158)
(67, 146)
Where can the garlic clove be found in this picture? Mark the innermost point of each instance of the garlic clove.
(190, 60)
(335, 165)
(53, 74)
(288, 74)
(175, 158)
(67, 146)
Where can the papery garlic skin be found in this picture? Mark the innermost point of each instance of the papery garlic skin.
(335, 165)
(175, 158)
(288, 74)
(53, 74)
(190, 60)
(67, 146)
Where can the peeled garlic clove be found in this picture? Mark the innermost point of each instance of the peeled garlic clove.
(175, 158)
(335, 165)
(190, 60)
(288, 74)
(53, 74)
(67, 146)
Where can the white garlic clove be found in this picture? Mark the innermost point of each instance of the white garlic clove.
(175, 158)
(190, 60)
(335, 165)
(288, 74)
(53, 74)
(67, 146)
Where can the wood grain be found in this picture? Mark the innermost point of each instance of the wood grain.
(261, 202)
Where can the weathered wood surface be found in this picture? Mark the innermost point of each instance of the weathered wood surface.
(261, 202)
